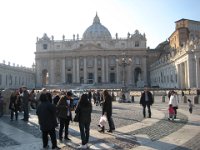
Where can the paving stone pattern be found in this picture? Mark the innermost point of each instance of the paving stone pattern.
(6, 141)
(192, 144)
(163, 127)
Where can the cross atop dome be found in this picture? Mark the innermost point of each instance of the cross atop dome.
(96, 19)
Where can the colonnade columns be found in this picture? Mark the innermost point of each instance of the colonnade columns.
(117, 72)
(52, 75)
(189, 72)
(39, 74)
(63, 70)
(95, 70)
(74, 70)
(197, 71)
(181, 75)
(145, 70)
(85, 70)
(102, 70)
(107, 71)
(129, 75)
(77, 71)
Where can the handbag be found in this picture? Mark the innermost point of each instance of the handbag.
(103, 120)
(76, 117)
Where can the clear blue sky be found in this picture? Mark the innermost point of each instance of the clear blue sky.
(22, 21)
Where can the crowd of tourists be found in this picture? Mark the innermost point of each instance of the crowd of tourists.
(54, 110)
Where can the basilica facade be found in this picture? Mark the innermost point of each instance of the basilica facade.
(96, 59)
(100, 60)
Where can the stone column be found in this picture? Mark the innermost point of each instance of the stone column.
(63, 70)
(107, 70)
(85, 70)
(129, 81)
(117, 72)
(74, 70)
(179, 76)
(197, 71)
(77, 71)
(95, 70)
(145, 70)
(103, 70)
(52, 75)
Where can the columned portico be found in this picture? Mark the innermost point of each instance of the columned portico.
(117, 73)
(95, 70)
(74, 70)
(52, 74)
(63, 71)
(107, 70)
(77, 70)
(103, 69)
(85, 70)
(90, 59)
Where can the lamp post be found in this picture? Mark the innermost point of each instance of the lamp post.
(123, 62)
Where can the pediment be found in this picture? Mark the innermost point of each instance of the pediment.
(89, 47)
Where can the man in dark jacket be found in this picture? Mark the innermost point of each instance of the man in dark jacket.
(25, 103)
(146, 100)
(47, 120)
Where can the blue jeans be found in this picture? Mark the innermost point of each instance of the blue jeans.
(85, 132)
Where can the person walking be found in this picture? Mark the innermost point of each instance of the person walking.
(84, 110)
(146, 100)
(64, 114)
(190, 106)
(25, 103)
(14, 105)
(107, 111)
(46, 113)
(174, 102)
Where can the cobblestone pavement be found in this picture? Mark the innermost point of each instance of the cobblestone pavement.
(123, 114)
(6, 141)
(163, 127)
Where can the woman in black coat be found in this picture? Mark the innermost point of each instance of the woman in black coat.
(46, 113)
(107, 110)
(84, 109)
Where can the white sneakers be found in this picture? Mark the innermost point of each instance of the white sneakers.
(82, 146)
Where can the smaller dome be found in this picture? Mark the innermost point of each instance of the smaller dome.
(96, 31)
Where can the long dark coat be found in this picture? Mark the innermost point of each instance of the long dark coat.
(107, 106)
(14, 102)
(62, 108)
(84, 113)
(150, 99)
(46, 113)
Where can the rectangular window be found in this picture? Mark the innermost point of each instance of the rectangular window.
(44, 46)
(137, 44)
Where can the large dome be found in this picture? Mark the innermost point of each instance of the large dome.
(96, 31)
